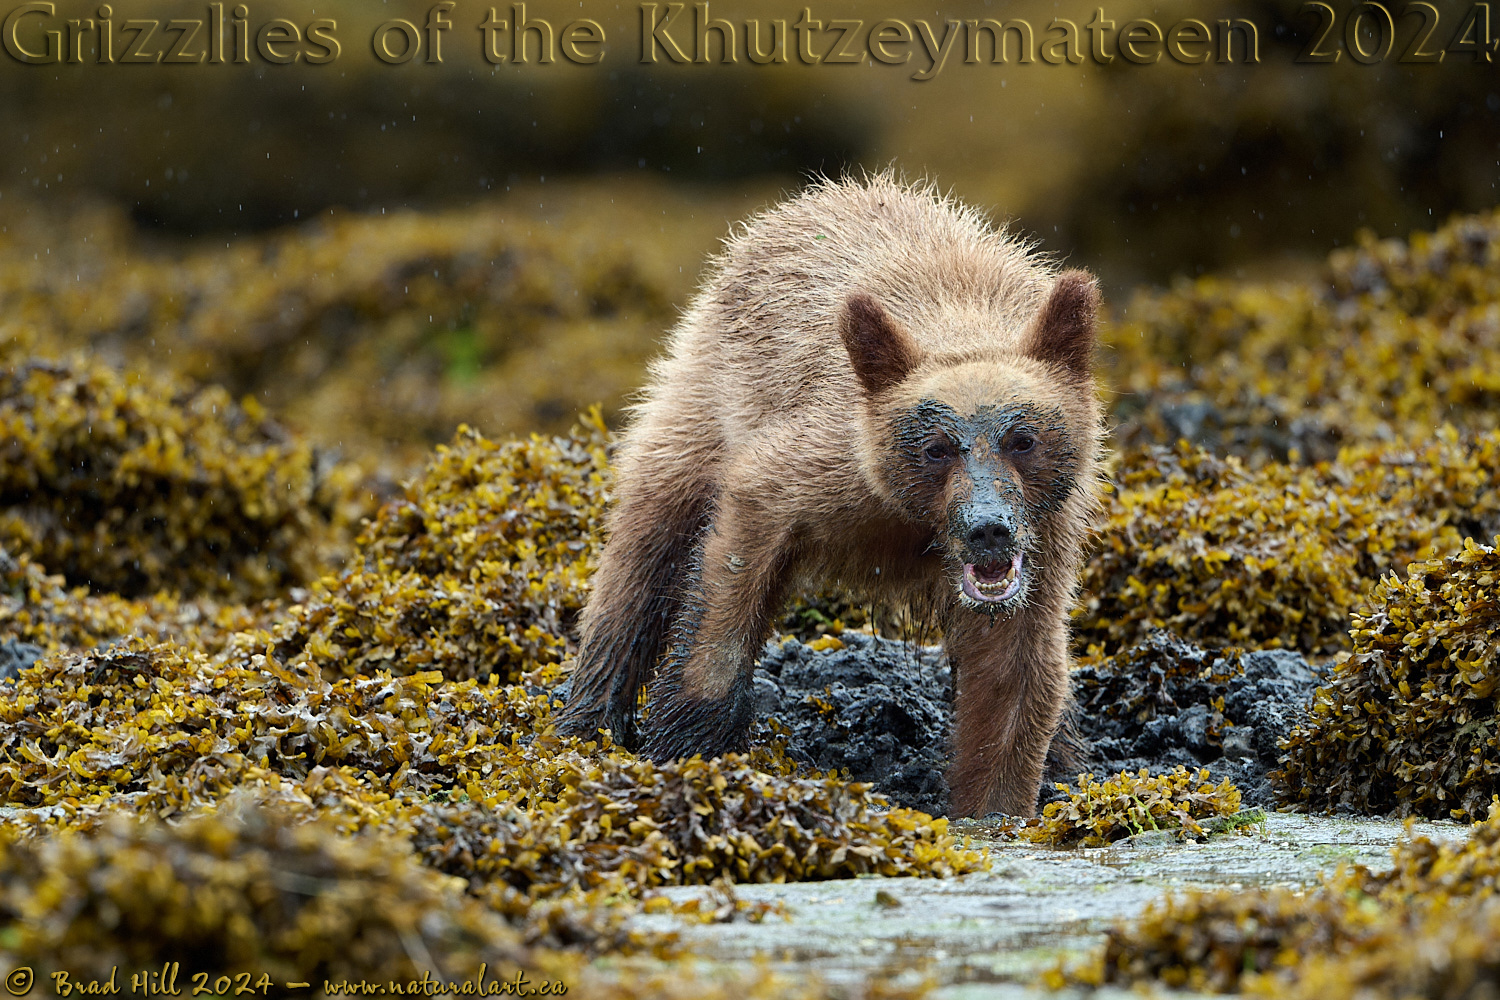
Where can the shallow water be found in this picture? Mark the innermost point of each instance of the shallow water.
(991, 934)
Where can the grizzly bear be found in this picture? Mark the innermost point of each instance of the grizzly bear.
(876, 389)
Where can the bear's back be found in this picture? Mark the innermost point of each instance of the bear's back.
(763, 327)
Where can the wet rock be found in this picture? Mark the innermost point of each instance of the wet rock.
(1238, 742)
(16, 656)
(882, 709)
(767, 696)
(878, 707)
(1166, 701)
(1153, 838)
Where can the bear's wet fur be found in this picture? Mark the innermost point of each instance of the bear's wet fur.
(872, 388)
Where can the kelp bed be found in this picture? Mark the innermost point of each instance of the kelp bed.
(286, 715)
(401, 702)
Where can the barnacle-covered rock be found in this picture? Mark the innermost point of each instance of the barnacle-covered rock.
(1165, 702)
(874, 709)
(1125, 805)
(133, 483)
(1408, 724)
(1275, 556)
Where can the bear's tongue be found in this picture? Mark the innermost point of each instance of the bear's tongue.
(990, 572)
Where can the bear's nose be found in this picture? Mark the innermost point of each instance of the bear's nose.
(989, 536)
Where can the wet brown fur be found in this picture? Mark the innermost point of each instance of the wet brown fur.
(780, 444)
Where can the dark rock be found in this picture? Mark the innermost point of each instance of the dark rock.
(16, 656)
(878, 708)
(767, 696)
(882, 709)
(1165, 702)
(1238, 742)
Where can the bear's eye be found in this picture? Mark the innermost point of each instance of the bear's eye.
(938, 451)
(1022, 443)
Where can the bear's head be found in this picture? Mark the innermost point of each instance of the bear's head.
(993, 449)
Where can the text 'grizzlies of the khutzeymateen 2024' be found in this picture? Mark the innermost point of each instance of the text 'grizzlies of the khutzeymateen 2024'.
(43, 32)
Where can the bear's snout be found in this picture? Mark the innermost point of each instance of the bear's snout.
(989, 539)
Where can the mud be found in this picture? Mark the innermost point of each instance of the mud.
(881, 709)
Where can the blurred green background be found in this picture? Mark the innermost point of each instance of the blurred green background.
(381, 251)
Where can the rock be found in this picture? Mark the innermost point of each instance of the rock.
(1194, 723)
(877, 707)
(1153, 838)
(16, 656)
(1237, 742)
(767, 696)
(881, 709)
(1157, 705)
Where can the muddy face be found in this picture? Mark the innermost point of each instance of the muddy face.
(985, 482)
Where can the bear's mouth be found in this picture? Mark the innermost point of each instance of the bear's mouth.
(994, 581)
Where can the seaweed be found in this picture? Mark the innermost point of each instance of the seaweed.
(134, 483)
(240, 893)
(39, 610)
(1280, 555)
(408, 697)
(381, 718)
(1393, 339)
(383, 331)
(1125, 805)
(1407, 724)
(1217, 941)
(259, 898)
(1428, 926)
(479, 567)
(468, 770)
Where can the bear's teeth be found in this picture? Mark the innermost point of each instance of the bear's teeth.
(997, 586)
(978, 588)
(1000, 585)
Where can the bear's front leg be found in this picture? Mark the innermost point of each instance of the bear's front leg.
(701, 700)
(1012, 679)
(666, 476)
(630, 614)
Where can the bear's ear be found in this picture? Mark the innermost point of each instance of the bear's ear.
(1063, 332)
(882, 353)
